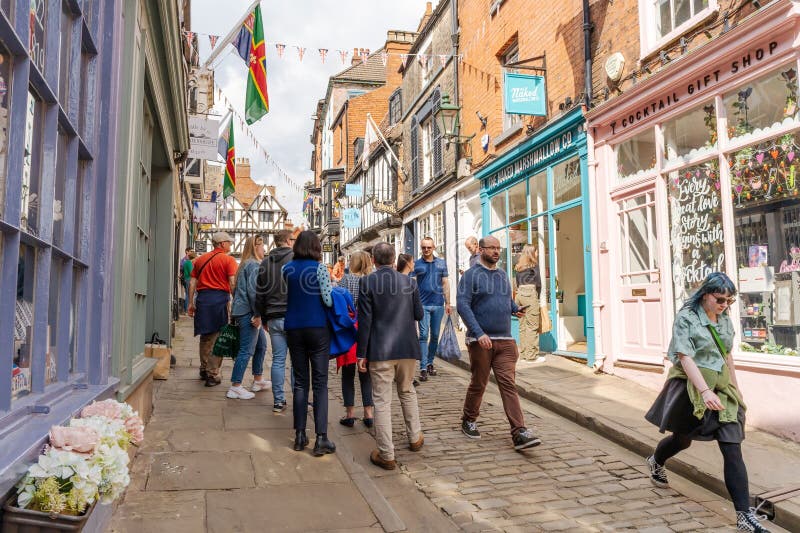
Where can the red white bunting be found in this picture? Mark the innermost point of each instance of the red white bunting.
(280, 48)
(213, 40)
(423, 60)
(443, 59)
(190, 39)
(364, 53)
(322, 53)
(384, 58)
(343, 55)
(300, 52)
(403, 59)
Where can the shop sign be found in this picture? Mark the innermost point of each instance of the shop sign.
(353, 189)
(204, 212)
(203, 137)
(327, 248)
(200, 247)
(699, 86)
(537, 156)
(524, 94)
(387, 207)
(351, 217)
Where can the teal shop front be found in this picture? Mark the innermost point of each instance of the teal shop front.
(538, 193)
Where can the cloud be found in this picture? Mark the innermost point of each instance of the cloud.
(294, 86)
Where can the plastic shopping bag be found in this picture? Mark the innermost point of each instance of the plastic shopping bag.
(227, 344)
(448, 343)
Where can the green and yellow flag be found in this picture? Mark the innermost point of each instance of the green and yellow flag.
(229, 185)
(257, 101)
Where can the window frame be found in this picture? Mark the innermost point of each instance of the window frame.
(648, 29)
(510, 55)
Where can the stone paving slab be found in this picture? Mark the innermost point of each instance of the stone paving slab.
(247, 440)
(200, 470)
(283, 466)
(288, 509)
(156, 512)
(244, 415)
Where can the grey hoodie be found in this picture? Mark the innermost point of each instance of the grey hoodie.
(271, 292)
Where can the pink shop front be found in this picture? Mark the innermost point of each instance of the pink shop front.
(697, 169)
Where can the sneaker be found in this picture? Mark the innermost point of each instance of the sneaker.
(470, 429)
(658, 474)
(749, 521)
(423, 375)
(239, 393)
(431, 370)
(539, 359)
(261, 385)
(524, 438)
(279, 407)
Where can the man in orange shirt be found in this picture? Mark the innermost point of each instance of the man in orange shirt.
(338, 270)
(213, 278)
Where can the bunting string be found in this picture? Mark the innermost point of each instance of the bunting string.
(242, 123)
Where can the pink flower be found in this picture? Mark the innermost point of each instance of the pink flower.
(74, 439)
(135, 427)
(107, 408)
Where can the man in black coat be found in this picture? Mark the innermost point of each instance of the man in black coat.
(388, 308)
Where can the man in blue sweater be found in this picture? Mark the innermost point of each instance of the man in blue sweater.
(485, 305)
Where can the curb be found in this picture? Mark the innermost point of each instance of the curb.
(785, 518)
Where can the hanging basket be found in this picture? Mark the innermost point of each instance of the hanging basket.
(17, 520)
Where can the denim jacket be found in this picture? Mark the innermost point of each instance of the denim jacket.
(244, 296)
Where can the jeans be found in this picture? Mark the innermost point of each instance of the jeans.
(429, 326)
(349, 386)
(186, 297)
(277, 338)
(252, 343)
(310, 347)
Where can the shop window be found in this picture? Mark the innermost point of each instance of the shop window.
(695, 214)
(23, 322)
(567, 181)
(538, 186)
(31, 166)
(762, 104)
(767, 231)
(7, 6)
(497, 211)
(60, 184)
(637, 155)
(691, 133)
(75, 310)
(437, 223)
(38, 35)
(81, 210)
(88, 11)
(517, 202)
(87, 71)
(639, 258)
(5, 98)
(52, 334)
(502, 236)
(65, 54)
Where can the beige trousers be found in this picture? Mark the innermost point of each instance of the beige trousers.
(528, 324)
(383, 374)
(209, 362)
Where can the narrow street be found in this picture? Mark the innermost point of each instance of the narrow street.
(214, 464)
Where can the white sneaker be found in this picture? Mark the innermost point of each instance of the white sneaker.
(239, 393)
(264, 384)
(540, 359)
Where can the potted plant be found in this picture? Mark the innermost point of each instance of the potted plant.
(83, 463)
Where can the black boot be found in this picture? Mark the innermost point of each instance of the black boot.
(323, 445)
(300, 441)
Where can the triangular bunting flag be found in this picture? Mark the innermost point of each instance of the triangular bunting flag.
(423, 60)
(322, 53)
(300, 52)
(404, 59)
(189, 39)
(343, 55)
(384, 58)
(213, 40)
(280, 48)
(364, 53)
(443, 59)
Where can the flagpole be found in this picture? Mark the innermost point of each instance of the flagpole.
(231, 35)
(385, 142)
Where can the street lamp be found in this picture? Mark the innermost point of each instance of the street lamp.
(448, 117)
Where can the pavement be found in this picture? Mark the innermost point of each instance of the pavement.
(209, 463)
(614, 408)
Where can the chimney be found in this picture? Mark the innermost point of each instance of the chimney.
(356, 58)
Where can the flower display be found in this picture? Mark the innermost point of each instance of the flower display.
(84, 462)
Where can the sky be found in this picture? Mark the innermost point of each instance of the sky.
(294, 86)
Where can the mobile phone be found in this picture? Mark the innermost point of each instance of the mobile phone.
(522, 308)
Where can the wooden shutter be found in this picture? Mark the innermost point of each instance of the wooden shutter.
(438, 167)
(415, 175)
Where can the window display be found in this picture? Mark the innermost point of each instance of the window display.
(23, 322)
(637, 155)
(567, 181)
(767, 231)
(764, 103)
(691, 133)
(5, 98)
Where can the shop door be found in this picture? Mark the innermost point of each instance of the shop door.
(641, 311)
(569, 285)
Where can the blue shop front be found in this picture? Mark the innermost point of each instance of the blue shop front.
(537, 193)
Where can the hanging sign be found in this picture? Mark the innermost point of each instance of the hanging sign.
(524, 94)
(353, 189)
(351, 217)
(203, 137)
(204, 212)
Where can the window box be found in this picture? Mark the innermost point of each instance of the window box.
(30, 521)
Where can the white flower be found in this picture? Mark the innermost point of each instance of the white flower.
(111, 431)
(115, 477)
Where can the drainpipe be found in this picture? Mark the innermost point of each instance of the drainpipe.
(588, 27)
(454, 38)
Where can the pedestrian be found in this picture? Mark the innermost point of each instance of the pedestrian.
(306, 324)
(252, 339)
(434, 290)
(271, 296)
(360, 266)
(185, 275)
(701, 399)
(485, 305)
(472, 247)
(405, 264)
(212, 279)
(338, 269)
(529, 286)
(389, 304)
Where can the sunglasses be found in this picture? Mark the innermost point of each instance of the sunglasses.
(724, 300)
(427, 247)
